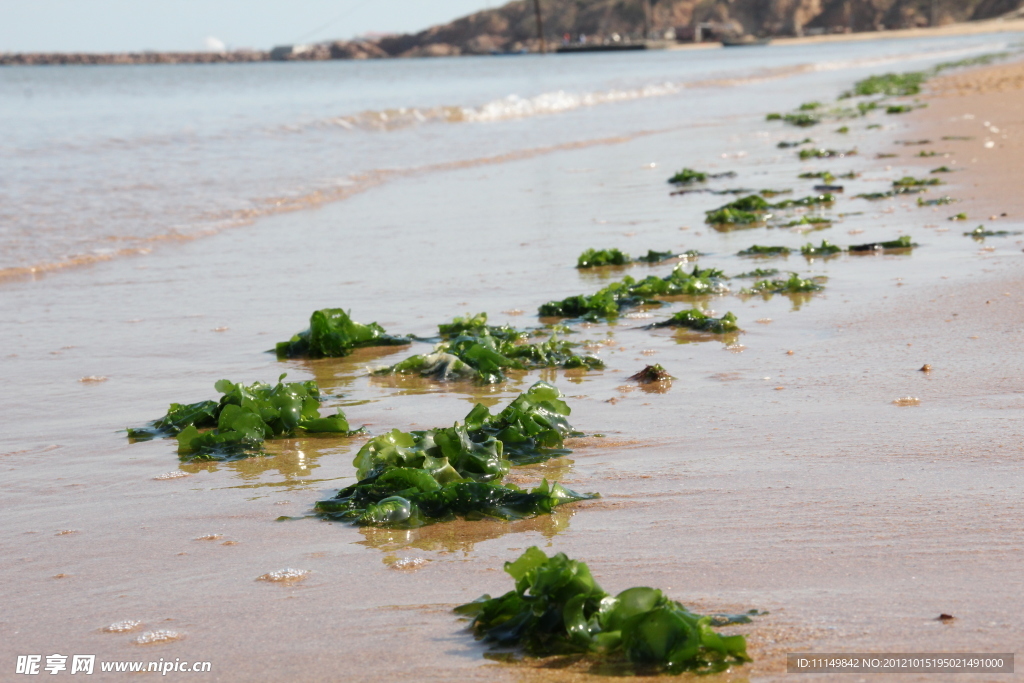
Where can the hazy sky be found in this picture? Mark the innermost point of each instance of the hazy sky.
(125, 25)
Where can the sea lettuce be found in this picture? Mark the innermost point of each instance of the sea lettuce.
(243, 419)
(794, 285)
(333, 333)
(557, 607)
(899, 243)
(593, 258)
(408, 479)
(824, 249)
(609, 301)
(743, 211)
(475, 352)
(700, 321)
(759, 250)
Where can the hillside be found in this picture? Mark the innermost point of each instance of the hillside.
(512, 27)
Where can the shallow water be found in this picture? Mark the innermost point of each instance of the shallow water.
(98, 162)
(758, 479)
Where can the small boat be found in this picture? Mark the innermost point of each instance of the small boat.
(743, 41)
(601, 47)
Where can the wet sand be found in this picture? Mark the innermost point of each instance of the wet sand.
(759, 479)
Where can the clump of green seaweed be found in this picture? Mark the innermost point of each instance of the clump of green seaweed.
(245, 416)
(743, 211)
(980, 233)
(938, 201)
(793, 143)
(821, 153)
(700, 321)
(817, 221)
(610, 300)
(902, 242)
(899, 109)
(890, 85)
(410, 479)
(910, 181)
(595, 258)
(813, 200)
(759, 250)
(333, 333)
(792, 285)
(473, 350)
(688, 176)
(943, 169)
(558, 608)
(826, 248)
(759, 273)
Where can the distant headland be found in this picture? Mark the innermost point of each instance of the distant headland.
(524, 26)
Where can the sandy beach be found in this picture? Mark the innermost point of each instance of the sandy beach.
(775, 473)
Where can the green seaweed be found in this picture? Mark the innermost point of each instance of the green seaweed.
(821, 153)
(843, 130)
(808, 220)
(928, 153)
(558, 608)
(698, 320)
(980, 233)
(899, 109)
(793, 285)
(593, 258)
(826, 176)
(746, 210)
(410, 479)
(891, 85)
(939, 201)
(910, 181)
(824, 249)
(661, 256)
(802, 120)
(942, 169)
(475, 326)
(814, 200)
(609, 301)
(246, 416)
(759, 273)
(785, 144)
(900, 243)
(476, 354)
(958, 217)
(688, 176)
(758, 250)
(332, 333)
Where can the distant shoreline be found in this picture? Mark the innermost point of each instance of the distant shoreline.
(249, 56)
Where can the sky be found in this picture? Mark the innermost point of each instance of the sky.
(186, 25)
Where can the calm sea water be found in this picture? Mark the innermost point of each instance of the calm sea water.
(101, 161)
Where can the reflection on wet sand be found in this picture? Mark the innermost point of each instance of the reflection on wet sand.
(337, 374)
(461, 535)
(290, 462)
(798, 299)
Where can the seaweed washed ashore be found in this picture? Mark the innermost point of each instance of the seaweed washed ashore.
(245, 416)
(557, 608)
(410, 479)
